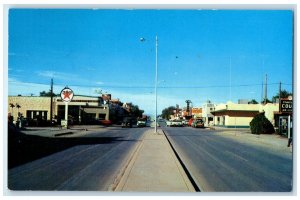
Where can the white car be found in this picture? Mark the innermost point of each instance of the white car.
(177, 123)
(141, 123)
(174, 123)
(169, 123)
(185, 122)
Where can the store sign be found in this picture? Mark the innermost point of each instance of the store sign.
(196, 111)
(286, 106)
(66, 94)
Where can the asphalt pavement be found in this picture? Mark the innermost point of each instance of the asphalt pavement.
(233, 161)
(139, 160)
(91, 160)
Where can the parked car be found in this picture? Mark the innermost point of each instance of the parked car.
(198, 123)
(141, 123)
(169, 123)
(184, 122)
(174, 123)
(177, 123)
(127, 122)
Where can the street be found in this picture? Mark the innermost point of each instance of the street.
(224, 162)
(126, 99)
(93, 165)
(217, 160)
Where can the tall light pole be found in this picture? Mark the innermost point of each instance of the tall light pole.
(156, 76)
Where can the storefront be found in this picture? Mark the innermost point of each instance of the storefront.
(234, 118)
(82, 109)
(233, 115)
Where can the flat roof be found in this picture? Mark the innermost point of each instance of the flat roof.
(223, 110)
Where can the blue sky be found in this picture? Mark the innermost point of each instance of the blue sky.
(201, 53)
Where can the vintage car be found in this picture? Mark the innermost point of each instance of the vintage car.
(198, 123)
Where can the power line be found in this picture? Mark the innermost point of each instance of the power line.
(147, 87)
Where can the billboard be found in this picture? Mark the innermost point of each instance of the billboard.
(196, 111)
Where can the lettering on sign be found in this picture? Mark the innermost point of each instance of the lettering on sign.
(286, 106)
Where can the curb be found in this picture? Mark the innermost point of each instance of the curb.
(189, 176)
(121, 178)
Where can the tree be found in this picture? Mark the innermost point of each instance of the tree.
(47, 94)
(284, 94)
(253, 101)
(261, 125)
(167, 112)
(136, 112)
(18, 107)
(12, 107)
(267, 101)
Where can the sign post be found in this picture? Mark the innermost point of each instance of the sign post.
(66, 95)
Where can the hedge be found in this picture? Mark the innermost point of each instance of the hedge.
(261, 125)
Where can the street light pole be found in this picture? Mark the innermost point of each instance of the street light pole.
(156, 76)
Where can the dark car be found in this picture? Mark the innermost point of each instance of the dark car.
(198, 123)
(127, 122)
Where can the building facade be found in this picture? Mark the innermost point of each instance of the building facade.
(80, 109)
(233, 115)
(207, 117)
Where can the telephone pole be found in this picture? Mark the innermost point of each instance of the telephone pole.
(51, 101)
(279, 94)
(266, 95)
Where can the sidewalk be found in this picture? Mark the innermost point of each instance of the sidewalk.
(154, 168)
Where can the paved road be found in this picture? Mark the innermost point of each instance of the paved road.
(219, 163)
(93, 165)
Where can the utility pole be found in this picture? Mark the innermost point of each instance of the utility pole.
(262, 91)
(156, 78)
(266, 95)
(279, 94)
(230, 79)
(51, 101)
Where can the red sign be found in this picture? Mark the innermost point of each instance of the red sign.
(66, 94)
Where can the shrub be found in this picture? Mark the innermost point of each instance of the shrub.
(261, 125)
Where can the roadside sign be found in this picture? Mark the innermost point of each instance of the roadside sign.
(286, 106)
(196, 111)
(66, 94)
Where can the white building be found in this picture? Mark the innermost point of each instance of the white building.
(207, 108)
(233, 115)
